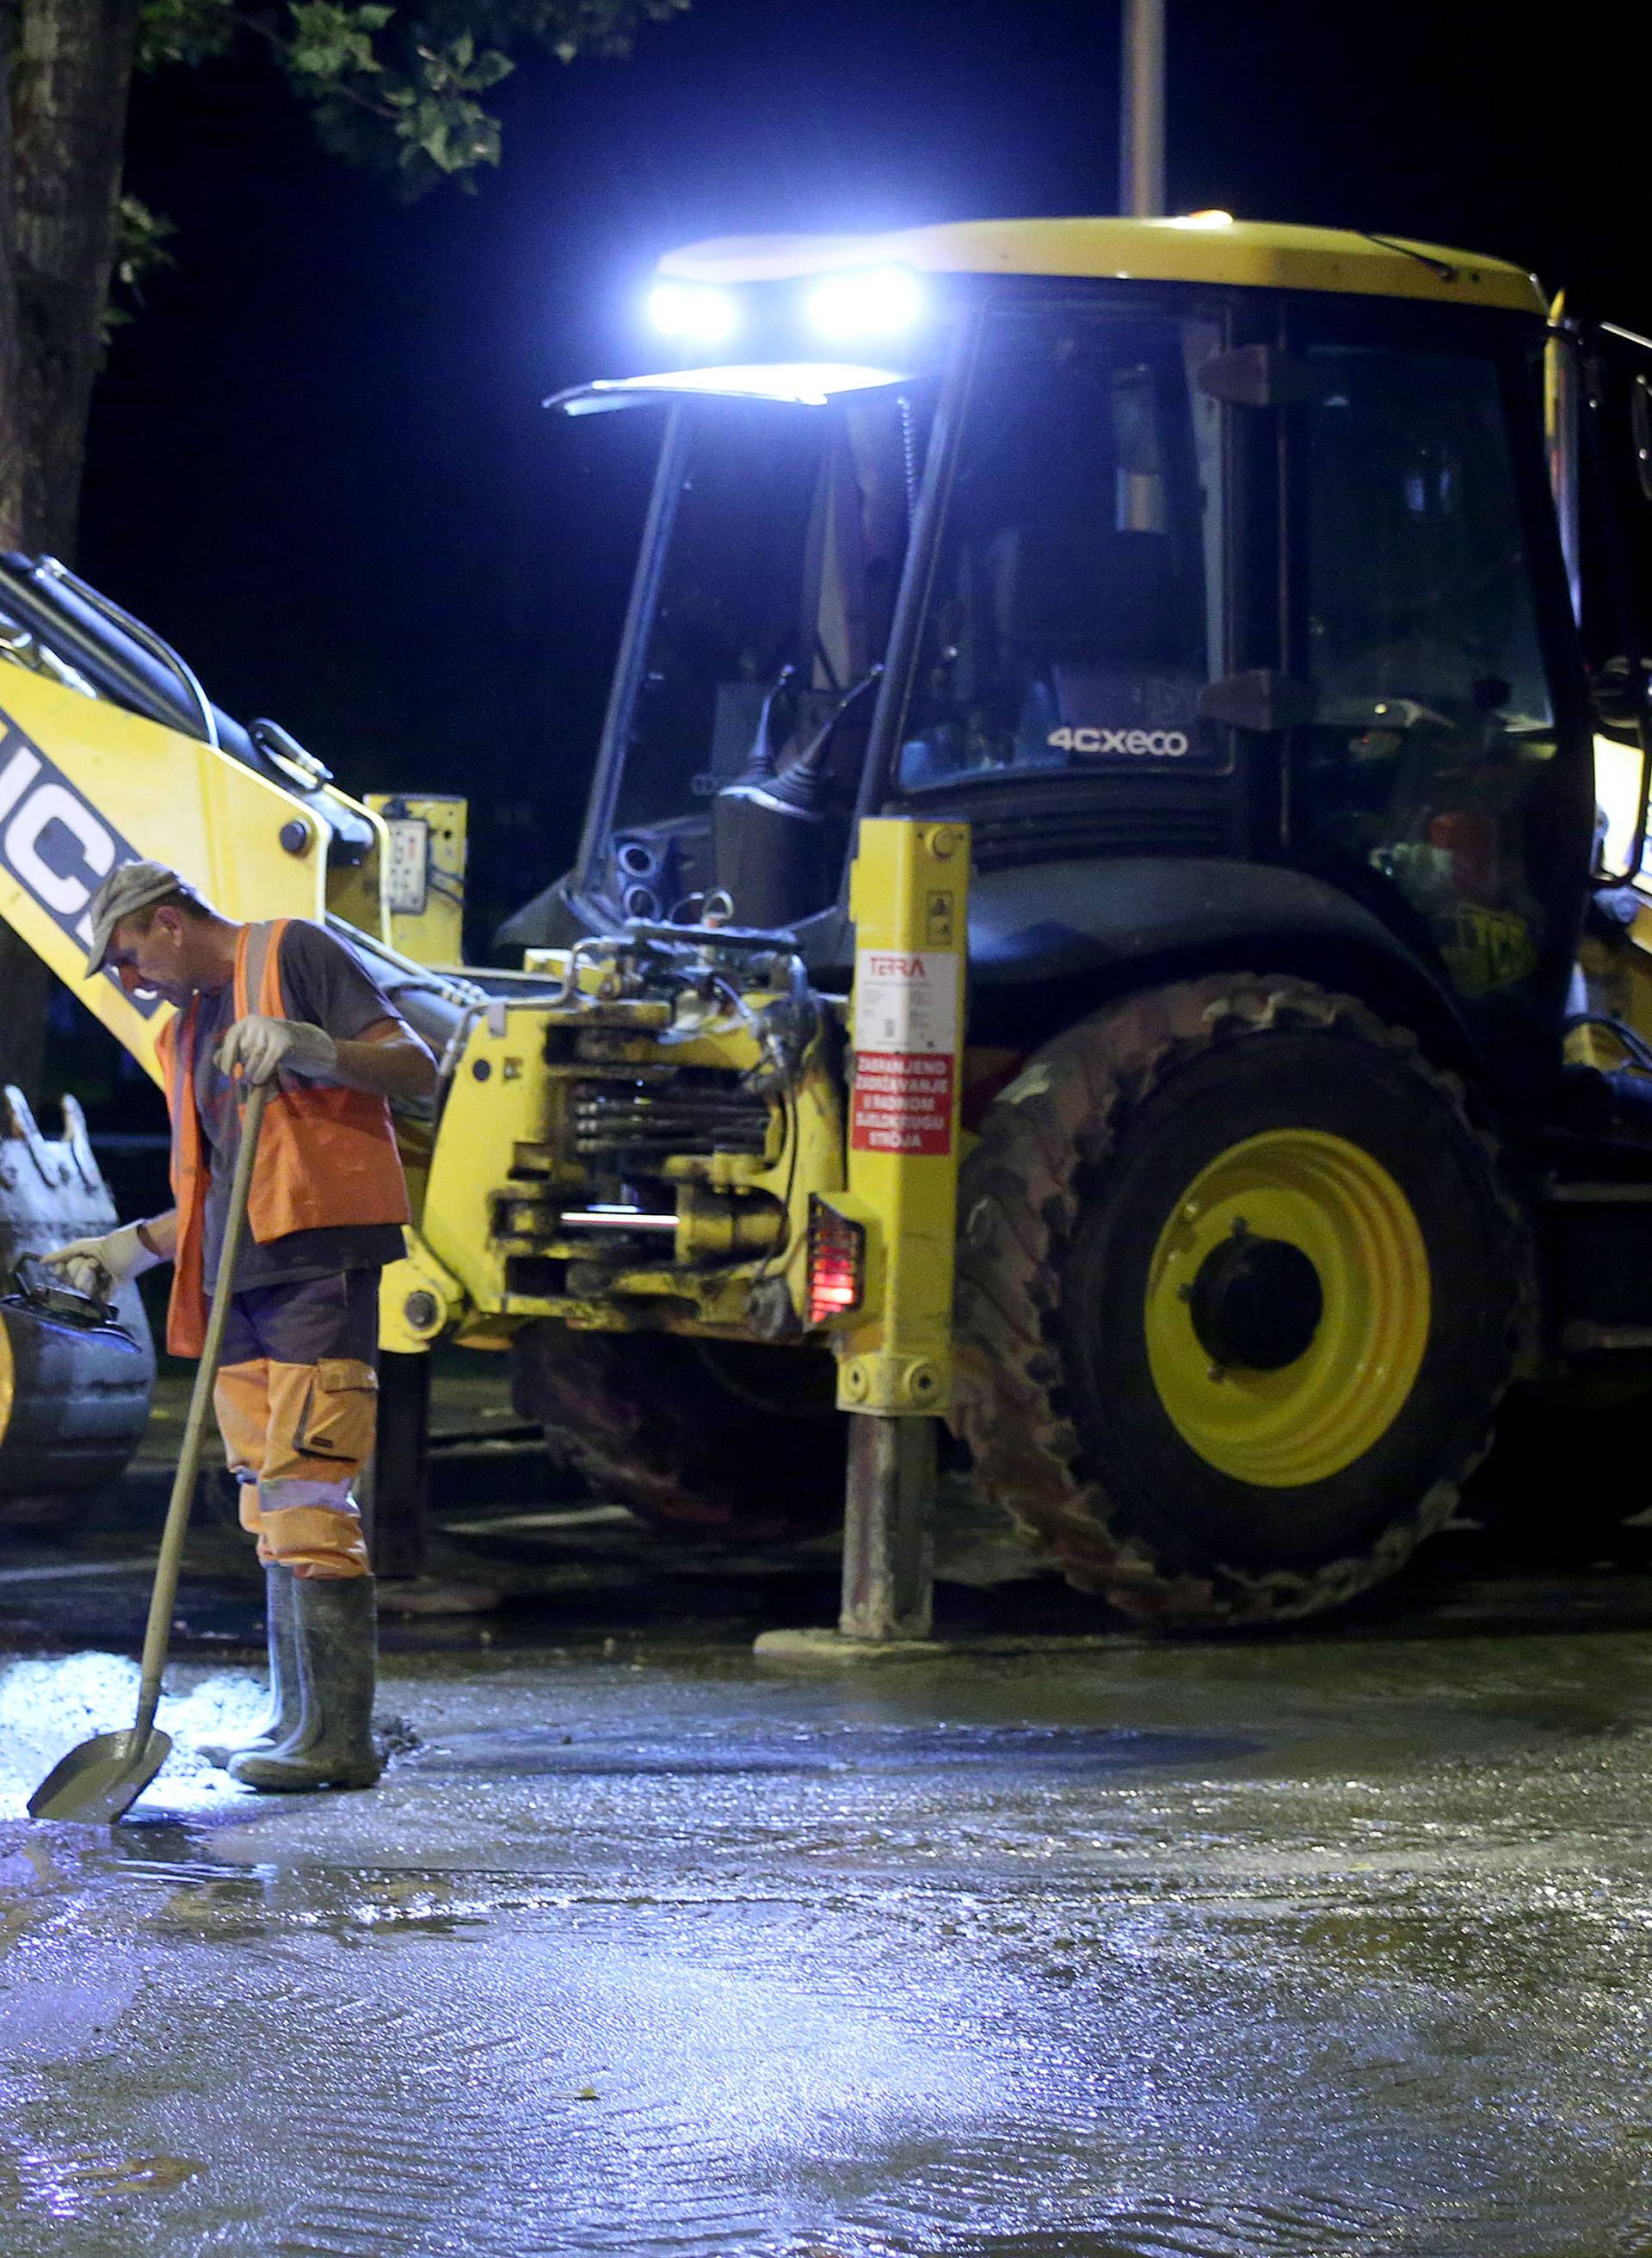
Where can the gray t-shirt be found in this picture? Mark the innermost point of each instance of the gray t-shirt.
(324, 984)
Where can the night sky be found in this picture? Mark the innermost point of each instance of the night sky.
(318, 460)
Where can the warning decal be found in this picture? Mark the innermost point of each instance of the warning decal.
(906, 1037)
(902, 1105)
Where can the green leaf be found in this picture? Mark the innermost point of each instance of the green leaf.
(140, 251)
(188, 31)
(391, 91)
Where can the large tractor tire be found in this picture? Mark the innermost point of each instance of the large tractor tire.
(1240, 1289)
(73, 1404)
(716, 1439)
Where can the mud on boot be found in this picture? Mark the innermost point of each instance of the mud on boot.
(282, 1713)
(334, 1620)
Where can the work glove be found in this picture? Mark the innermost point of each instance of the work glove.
(262, 1047)
(103, 1266)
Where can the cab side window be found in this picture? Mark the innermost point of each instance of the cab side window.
(1434, 725)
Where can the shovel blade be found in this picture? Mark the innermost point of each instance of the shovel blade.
(101, 1778)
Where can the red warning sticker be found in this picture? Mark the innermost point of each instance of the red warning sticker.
(903, 1103)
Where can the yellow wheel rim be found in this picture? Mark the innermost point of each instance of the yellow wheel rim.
(1333, 1203)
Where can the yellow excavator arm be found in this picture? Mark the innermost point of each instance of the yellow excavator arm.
(85, 784)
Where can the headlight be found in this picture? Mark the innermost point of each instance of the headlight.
(872, 302)
(698, 316)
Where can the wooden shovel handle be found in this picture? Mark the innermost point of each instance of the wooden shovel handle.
(157, 1632)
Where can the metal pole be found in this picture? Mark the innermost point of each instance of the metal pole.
(1141, 183)
(888, 1545)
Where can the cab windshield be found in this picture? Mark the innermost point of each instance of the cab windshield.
(1076, 607)
(764, 615)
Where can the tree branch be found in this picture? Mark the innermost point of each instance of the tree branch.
(281, 50)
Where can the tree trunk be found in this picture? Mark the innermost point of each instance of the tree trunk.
(11, 446)
(61, 141)
(71, 79)
(23, 978)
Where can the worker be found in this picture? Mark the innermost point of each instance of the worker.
(284, 1003)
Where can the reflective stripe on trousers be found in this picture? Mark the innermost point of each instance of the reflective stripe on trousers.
(297, 1437)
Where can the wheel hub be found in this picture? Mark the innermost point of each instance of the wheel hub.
(1287, 1307)
(1255, 1302)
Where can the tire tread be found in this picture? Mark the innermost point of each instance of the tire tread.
(1020, 1195)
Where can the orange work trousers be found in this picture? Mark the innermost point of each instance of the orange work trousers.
(298, 1429)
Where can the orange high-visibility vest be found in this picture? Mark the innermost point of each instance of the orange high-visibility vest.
(327, 1155)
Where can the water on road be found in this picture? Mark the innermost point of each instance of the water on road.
(1242, 1951)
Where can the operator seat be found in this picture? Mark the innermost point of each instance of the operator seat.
(1106, 631)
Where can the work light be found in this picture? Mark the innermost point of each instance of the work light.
(871, 301)
(697, 314)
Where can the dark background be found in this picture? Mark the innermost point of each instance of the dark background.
(318, 460)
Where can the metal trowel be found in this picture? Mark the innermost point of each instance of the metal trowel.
(104, 1777)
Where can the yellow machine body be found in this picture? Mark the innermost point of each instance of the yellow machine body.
(490, 1251)
(761, 1101)
(506, 1171)
(909, 898)
(96, 784)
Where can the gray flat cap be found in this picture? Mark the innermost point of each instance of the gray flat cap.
(131, 887)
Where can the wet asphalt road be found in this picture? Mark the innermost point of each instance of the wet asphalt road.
(1328, 1946)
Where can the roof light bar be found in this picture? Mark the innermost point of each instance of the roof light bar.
(697, 314)
(866, 302)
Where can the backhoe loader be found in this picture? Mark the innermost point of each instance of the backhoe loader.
(1095, 918)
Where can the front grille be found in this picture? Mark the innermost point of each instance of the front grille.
(1063, 825)
(639, 1121)
(1074, 834)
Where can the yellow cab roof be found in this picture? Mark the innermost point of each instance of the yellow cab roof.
(1201, 247)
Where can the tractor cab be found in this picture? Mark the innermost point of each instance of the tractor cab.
(737, 739)
(1186, 540)
(1256, 601)
(1105, 748)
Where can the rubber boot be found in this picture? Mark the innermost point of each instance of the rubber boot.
(335, 1619)
(284, 1708)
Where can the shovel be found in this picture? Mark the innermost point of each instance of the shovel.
(103, 1778)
